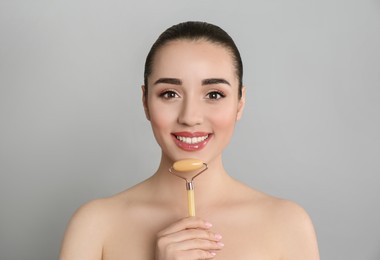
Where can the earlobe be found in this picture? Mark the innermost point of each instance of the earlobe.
(241, 105)
(145, 103)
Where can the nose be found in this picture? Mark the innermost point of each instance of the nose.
(191, 113)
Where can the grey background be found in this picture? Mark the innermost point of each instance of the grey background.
(72, 126)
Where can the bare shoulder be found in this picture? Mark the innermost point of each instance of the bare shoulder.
(291, 218)
(86, 231)
(90, 225)
(293, 226)
(281, 220)
(282, 211)
(298, 232)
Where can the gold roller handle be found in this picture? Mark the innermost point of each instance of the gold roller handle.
(188, 165)
(191, 202)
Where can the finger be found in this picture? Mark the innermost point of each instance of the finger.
(196, 244)
(195, 255)
(185, 223)
(189, 234)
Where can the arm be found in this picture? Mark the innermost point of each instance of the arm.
(85, 233)
(300, 242)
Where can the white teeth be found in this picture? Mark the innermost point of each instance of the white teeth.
(193, 140)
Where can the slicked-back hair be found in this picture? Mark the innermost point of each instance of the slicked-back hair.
(194, 30)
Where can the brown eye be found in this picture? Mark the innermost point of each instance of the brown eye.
(215, 95)
(169, 94)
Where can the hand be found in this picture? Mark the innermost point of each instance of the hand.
(188, 239)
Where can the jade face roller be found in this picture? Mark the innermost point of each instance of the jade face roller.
(189, 165)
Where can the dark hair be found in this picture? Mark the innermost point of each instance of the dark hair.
(195, 31)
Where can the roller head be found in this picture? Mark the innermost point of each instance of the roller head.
(188, 165)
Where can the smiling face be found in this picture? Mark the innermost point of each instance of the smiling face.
(192, 100)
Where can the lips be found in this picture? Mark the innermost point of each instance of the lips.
(191, 141)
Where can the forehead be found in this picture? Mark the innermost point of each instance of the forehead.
(184, 56)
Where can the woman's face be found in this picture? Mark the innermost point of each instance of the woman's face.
(192, 100)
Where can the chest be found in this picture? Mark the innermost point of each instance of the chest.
(135, 239)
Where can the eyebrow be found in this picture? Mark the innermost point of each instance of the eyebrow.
(174, 81)
(213, 81)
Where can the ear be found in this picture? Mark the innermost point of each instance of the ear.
(145, 102)
(241, 105)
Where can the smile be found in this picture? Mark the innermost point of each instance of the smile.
(192, 140)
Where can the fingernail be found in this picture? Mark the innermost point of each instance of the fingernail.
(220, 244)
(213, 253)
(208, 224)
(218, 236)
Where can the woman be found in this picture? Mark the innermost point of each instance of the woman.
(193, 96)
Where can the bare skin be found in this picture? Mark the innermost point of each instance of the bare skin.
(149, 220)
(252, 224)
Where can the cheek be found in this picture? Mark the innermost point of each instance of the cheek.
(158, 121)
(161, 117)
(224, 118)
